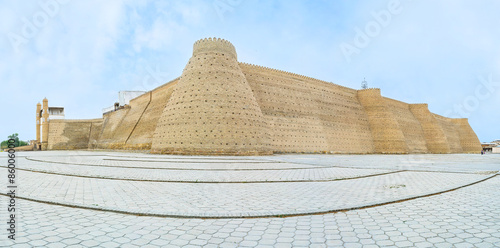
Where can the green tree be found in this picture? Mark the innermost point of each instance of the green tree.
(17, 142)
(15, 137)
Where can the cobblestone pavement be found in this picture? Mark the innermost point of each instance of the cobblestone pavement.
(426, 162)
(157, 170)
(467, 217)
(371, 185)
(233, 200)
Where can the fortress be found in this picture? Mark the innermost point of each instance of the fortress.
(221, 106)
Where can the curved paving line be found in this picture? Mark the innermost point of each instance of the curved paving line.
(192, 162)
(334, 166)
(362, 168)
(213, 182)
(458, 172)
(86, 155)
(313, 166)
(172, 168)
(120, 211)
(195, 157)
(145, 153)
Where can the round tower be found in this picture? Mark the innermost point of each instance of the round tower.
(212, 109)
(38, 120)
(386, 132)
(434, 135)
(45, 124)
(468, 138)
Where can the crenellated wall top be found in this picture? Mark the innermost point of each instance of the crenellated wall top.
(216, 45)
(370, 89)
(420, 105)
(460, 120)
(290, 74)
(370, 92)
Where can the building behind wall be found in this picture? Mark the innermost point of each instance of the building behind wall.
(491, 147)
(221, 106)
(44, 114)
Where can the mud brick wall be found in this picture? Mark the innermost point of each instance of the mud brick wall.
(221, 106)
(309, 115)
(468, 139)
(212, 109)
(111, 122)
(451, 132)
(435, 137)
(142, 136)
(95, 133)
(409, 125)
(71, 134)
(386, 132)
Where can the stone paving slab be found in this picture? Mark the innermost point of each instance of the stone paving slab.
(233, 199)
(188, 160)
(467, 217)
(427, 162)
(180, 164)
(195, 175)
(466, 163)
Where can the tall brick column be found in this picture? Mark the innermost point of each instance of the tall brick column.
(45, 124)
(38, 120)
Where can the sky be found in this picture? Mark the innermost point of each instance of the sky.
(80, 54)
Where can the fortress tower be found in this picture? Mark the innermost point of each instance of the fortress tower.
(386, 133)
(45, 124)
(212, 109)
(222, 107)
(433, 132)
(468, 139)
(38, 119)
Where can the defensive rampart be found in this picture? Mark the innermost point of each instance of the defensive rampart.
(309, 115)
(73, 134)
(212, 109)
(386, 132)
(410, 126)
(133, 126)
(222, 106)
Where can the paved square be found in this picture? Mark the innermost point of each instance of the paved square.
(116, 199)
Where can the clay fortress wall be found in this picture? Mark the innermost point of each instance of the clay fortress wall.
(221, 106)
